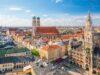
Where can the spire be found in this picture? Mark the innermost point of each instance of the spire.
(89, 16)
(34, 21)
(38, 21)
(88, 22)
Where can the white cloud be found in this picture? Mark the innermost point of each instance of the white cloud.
(19, 9)
(57, 1)
(15, 8)
(51, 20)
(27, 11)
(63, 20)
(96, 16)
(32, 15)
(45, 15)
(70, 20)
(14, 21)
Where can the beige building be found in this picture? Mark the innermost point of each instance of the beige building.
(9, 64)
(78, 56)
(87, 54)
(6, 66)
(52, 52)
(79, 53)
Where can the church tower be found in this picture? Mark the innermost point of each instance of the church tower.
(38, 21)
(88, 44)
(33, 26)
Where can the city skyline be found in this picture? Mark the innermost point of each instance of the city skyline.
(52, 12)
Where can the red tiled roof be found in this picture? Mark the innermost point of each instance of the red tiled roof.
(51, 47)
(72, 35)
(46, 30)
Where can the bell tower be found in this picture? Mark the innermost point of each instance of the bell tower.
(38, 21)
(88, 44)
(33, 26)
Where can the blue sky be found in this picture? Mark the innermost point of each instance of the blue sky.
(52, 12)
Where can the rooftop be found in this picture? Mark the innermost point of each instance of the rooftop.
(47, 30)
(50, 47)
(76, 44)
(15, 59)
(13, 50)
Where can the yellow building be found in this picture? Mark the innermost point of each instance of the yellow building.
(52, 52)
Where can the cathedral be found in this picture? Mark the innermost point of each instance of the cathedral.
(43, 31)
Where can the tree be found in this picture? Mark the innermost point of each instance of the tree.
(35, 52)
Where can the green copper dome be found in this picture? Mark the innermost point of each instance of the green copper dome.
(34, 17)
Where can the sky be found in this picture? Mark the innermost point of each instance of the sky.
(52, 12)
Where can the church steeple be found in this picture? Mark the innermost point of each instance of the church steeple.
(88, 22)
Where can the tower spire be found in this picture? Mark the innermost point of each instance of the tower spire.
(88, 39)
(88, 22)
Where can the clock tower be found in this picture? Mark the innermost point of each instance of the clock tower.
(88, 44)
